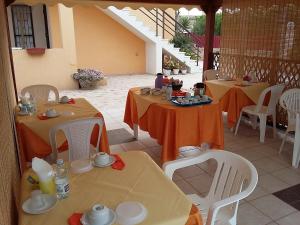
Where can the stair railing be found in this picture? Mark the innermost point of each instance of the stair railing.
(169, 25)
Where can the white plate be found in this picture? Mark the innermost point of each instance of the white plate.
(52, 116)
(111, 161)
(50, 201)
(112, 219)
(130, 213)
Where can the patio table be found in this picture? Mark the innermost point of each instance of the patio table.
(233, 97)
(174, 126)
(33, 133)
(141, 180)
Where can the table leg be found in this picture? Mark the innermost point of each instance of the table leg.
(136, 131)
(296, 150)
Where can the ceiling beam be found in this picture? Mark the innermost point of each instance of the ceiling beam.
(201, 3)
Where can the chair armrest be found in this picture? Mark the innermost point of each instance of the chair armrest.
(170, 167)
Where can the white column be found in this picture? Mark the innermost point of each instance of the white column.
(153, 58)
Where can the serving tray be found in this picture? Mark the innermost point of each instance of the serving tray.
(200, 102)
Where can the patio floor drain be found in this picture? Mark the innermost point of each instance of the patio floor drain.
(119, 136)
(290, 196)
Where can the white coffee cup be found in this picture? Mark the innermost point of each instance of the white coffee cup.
(101, 158)
(36, 200)
(64, 99)
(51, 113)
(98, 215)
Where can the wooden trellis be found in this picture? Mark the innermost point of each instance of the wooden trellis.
(262, 36)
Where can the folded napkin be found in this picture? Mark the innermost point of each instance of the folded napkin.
(118, 164)
(74, 219)
(42, 116)
(71, 101)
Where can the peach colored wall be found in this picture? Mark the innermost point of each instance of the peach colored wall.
(54, 26)
(151, 24)
(52, 68)
(104, 44)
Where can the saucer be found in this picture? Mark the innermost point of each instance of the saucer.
(50, 201)
(52, 116)
(112, 219)
(111, 161)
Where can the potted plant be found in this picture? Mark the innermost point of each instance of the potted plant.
(167, 68)
(175, 68)
(183, 68)
(88, 78)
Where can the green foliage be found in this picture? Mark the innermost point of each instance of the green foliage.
(218, 22)
(185, 22)
(199, 26)
(181, 41)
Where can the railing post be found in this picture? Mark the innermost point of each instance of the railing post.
(163, 31)
(156, 21)
(197, 55)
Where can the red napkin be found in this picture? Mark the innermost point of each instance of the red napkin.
(42, 116)
(178, 93)
(118, 164)
(71, 101)
(75, 219)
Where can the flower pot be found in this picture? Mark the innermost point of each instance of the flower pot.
(184, 71)
(167, 72)
(175, 71)
(35, 51)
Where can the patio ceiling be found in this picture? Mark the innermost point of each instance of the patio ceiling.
(175, 4)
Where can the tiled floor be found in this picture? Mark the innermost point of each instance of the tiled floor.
(275, 171)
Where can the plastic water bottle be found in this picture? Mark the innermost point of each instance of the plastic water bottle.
(61, 180)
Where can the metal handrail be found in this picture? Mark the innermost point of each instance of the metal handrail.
(170, 22)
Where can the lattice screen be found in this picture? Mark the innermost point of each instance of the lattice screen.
(262, 36)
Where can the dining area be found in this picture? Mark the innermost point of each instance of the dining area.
(177, 157)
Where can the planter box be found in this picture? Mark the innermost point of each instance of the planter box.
(35, 51)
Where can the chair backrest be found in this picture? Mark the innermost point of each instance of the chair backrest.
(276, 91)
(40, 92)
(290, 101)
(78, 134)
(210, 74)
(235, 178)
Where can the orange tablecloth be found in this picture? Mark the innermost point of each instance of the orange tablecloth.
(141, 180)
(234, 99)
(175, 127)
(31, 143)
(232, 103)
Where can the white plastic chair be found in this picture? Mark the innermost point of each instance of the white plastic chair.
(40, 92)
(211, 74)
(235, 179)
(288, 101)
(262, 111)
(78, 134)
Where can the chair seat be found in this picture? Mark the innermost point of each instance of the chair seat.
(251, 110)
(203, 204)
